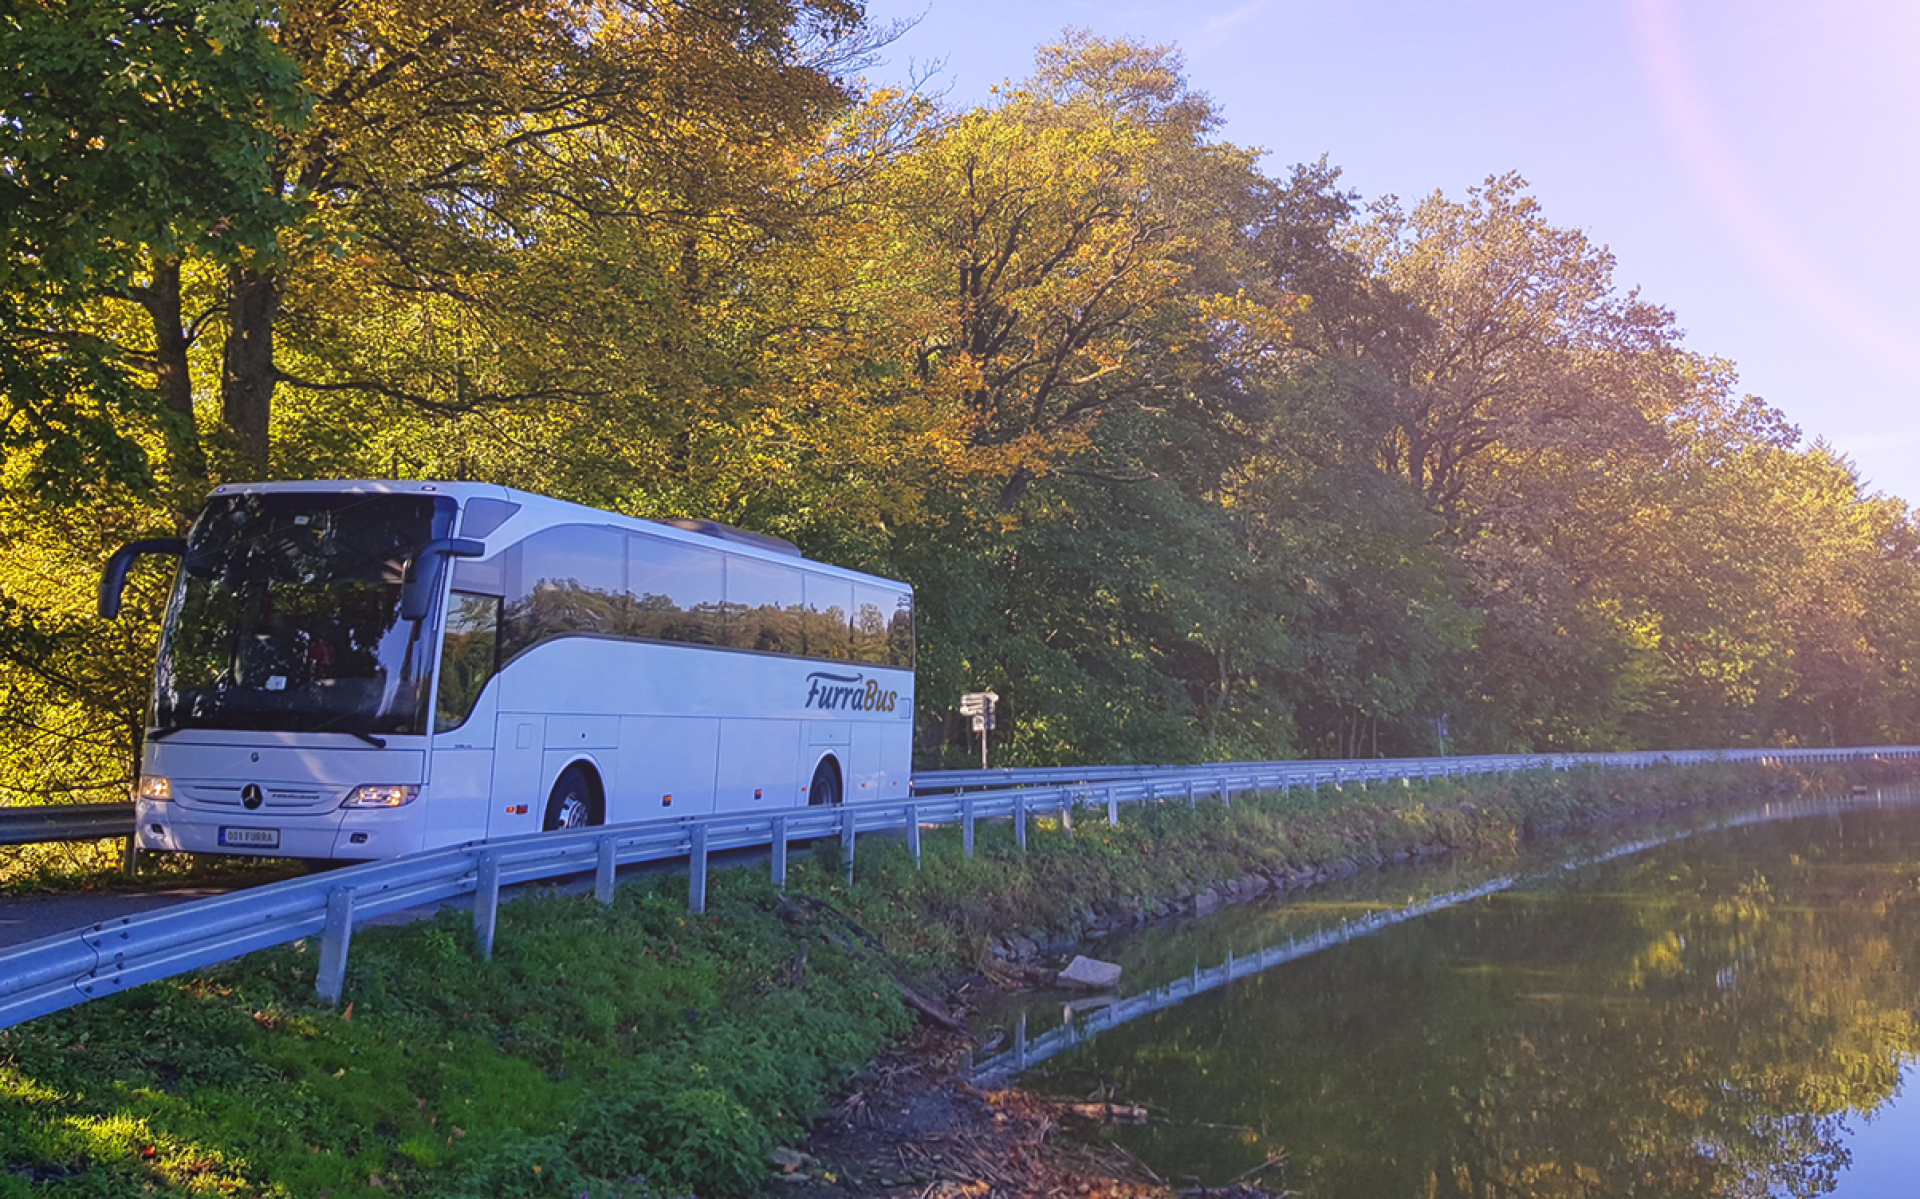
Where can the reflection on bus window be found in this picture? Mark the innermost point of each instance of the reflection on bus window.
(765, 609)
(580, 579)
(287, 616)
(829, 617)
(676, 592)
(471, 657)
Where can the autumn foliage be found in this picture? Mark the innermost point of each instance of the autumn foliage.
(1185, 460)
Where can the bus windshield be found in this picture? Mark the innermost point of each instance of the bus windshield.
(286, 616)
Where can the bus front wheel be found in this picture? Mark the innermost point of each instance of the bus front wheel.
(571, 803)
(825, 790)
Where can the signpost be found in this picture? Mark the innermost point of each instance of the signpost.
(979, 705)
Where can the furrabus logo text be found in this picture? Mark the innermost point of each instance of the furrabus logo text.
(848, 693)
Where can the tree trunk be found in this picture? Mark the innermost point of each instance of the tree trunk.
(247, 374)
(188, 459)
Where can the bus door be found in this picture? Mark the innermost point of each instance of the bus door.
(460, 779)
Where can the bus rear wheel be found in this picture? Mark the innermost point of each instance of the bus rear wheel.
(570, 805)
(825, 791)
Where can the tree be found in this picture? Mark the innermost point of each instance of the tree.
(136, 140)
(1079, 222)
(1527, 347)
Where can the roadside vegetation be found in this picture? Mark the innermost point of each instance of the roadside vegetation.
(100, 866)
(639, 1049)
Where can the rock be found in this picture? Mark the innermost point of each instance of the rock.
(1090, 974)
(1206, 901)
(788, 1160)
(1092, 1003)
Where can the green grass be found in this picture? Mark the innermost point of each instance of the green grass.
(630, 1050)
(638, 1049)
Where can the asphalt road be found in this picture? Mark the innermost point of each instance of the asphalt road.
(31, 917)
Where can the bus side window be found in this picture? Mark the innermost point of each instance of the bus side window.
(764, 606)
(870, 611)
(569, 579)
(470, 655)
(900, 632)
(674, 590)
(829, 618)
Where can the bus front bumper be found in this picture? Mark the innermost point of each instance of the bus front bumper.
(344, 833)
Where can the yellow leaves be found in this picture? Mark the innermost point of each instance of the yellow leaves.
(1250, 331)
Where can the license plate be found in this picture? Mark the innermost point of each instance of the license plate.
(251, 838)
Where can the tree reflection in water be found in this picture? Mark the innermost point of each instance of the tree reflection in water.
(1696, 1021)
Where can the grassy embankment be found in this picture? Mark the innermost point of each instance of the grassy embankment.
(638, 1049)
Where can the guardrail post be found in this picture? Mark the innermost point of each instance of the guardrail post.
(697, 871)
(486, 902)
(1226, 791)
(846, 840)
(334, 941)
(780, 853)
(966, 825)
(130, 856)
(1020, 822)
(1066, 811)
(1113, 809)
(1193, 799)
(913, 834)
(603, 871)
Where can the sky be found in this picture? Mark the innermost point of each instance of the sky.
(1752, 164)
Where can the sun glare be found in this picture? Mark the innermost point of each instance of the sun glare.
(1860, 87)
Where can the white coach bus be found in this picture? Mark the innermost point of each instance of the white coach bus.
(363, 669)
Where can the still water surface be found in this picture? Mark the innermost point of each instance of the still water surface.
(1726, 1012)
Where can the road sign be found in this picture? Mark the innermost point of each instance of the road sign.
(979, 705)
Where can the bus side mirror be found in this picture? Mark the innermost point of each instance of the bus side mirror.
(422, 583)
(113, 580)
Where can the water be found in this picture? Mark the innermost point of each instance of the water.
(1718, 1012)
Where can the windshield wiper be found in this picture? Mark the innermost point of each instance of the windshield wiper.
(369, 738)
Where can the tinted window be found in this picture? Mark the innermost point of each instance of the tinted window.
(675, 591)
(561, 581)
(900, 631)
(764, 607)
(589, 579)
(871, 609)
(469, 657)
(287, 615)
(829, 618)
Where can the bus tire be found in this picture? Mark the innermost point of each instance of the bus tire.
(825, 789)
(570, 804)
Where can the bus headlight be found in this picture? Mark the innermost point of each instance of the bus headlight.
(380, 795)
(155, 787)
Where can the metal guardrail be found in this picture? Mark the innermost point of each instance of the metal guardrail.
(65, 822)
(70, 968)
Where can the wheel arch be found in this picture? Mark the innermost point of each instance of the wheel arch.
(596, 783)
(828, 760)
